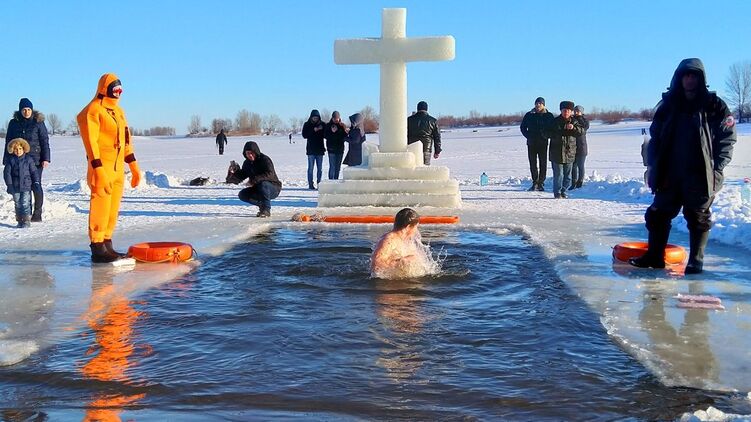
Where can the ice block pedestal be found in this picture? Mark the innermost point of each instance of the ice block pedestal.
(392, 175)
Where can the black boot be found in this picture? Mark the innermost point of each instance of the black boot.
(111, 250)
(36, 216)
(698, 242)
(264, 213)
(532, 188)
(655, 256)
(100, 254)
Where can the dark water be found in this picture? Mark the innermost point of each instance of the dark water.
(289, 325)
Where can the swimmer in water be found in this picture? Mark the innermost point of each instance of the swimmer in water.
(397, 249)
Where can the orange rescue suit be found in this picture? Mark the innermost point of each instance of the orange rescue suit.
(106, 138)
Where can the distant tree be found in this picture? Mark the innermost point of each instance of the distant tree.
(195, 124)
(4, 129)
(56, 125)
(135, 131)
(164, 131)
(295, 124)
(242, 121)
(325, 115)
(370, 119)
(73, 128)
(738, 87)
(218, 124)
(646, 114)
(272, 124)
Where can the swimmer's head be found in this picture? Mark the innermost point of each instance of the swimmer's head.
(406, 217)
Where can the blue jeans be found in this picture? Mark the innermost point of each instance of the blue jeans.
(260, 194)
(335, 164)
(23, 205)
(561, 177)
(318, 160)
(577, 171)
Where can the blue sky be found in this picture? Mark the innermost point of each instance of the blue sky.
(213, 58)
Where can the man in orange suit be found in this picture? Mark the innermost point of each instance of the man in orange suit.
(106, 138)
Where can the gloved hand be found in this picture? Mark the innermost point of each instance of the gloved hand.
(135, 174)
(100, 183)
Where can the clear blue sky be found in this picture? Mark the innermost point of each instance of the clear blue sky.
(213, 58)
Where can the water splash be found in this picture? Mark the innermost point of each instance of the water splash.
(424, 263)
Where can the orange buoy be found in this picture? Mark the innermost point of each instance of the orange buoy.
(374, 219)
(674, 254)
(161, 252)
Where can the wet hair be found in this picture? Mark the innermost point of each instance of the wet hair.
(406, 217)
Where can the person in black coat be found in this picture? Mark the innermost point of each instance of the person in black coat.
(691, 141)
(533, 127)
(312, 131)
(423, 127)
(335, 132)
(563, 132)
(577, 170)
(28, 124)
(263, 184)
(221, 141)
(355, 139)
(20, 176)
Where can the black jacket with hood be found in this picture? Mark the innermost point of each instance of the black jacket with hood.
(259, 170)
(314, 145)
(34, 132)
(715, 130)
(335, 140)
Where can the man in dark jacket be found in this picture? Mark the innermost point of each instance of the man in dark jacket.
(28, 124)
(263, 185)
(312, 131)
(692, 137)
(577, 170)
(221, 141)
(563, 133)
(534, 128)
(423, 127)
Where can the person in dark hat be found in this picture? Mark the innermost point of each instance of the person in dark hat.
(563, 133)
(313, 132)
(423, 127)
(577, 170)
(534, 128)
(28, 124)
(691, 141)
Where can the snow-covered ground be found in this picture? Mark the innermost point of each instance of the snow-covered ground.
(636, 307)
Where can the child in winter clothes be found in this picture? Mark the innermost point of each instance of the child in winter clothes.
(20, 175)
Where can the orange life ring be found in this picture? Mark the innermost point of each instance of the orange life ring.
(161, 252)
(674, 254)
(376, 219)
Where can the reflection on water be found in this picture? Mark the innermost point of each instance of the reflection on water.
(111, 317)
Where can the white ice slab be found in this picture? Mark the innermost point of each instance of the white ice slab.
(443, 187)
(402, 160)
(390, 173)
(389, 200)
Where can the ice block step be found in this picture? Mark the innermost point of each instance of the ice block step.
(389, 200)
(402, 160)
(386, 186)
(391, 173)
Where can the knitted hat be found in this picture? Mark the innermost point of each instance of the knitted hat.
(579, 108)
(540, 100)
(567, 104)
(422, 105)
(25, 103)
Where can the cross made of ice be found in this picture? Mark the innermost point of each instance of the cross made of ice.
(392, 51)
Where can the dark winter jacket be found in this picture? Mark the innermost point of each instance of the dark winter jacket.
(421, 126)
(314, 145)
(563, 141)
(34, 132)
(259, 170)
(221, 139)
(581, 141)
(534, 126)
(20, 173)
(355, 138)
(335, 140)
(709, 119)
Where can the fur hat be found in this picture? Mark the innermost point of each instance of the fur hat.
(422, 106)
(12, 145)
(25, 103)
(567, 104)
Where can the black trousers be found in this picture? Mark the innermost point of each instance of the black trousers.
(537, 151)
(668, 203)
(38, 194)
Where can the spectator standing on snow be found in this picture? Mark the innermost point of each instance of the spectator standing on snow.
(313, 133)
(691, 141)
(263, 184)
(577, 170)
(534, 129)
(355, 139)
(221, 141)
(28, 124)
(20, 174)
(423, 127)
(335, 133)
(563, 131)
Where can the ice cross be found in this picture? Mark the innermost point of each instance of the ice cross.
(392, 51)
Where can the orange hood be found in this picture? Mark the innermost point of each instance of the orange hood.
(101, 89)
